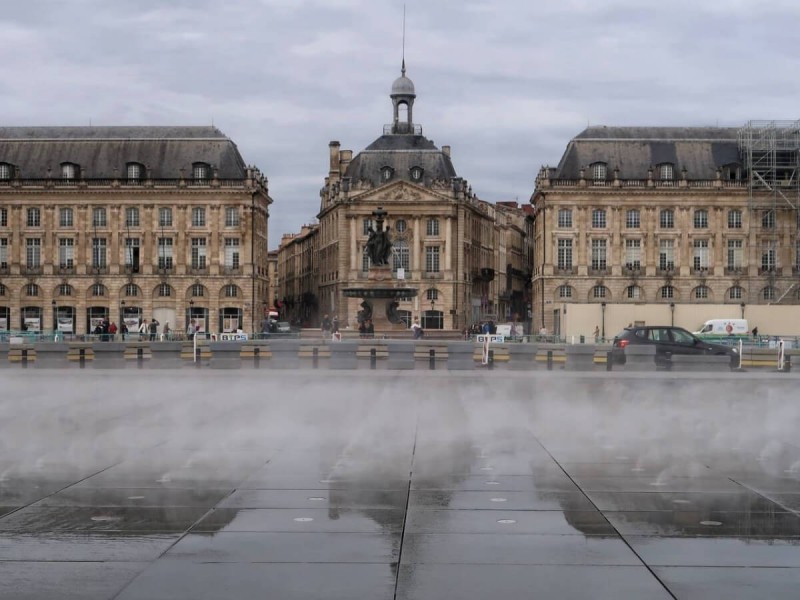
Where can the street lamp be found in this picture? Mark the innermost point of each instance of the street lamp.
(603, 321)
(672, 311)
(55, 315)
(742, 307)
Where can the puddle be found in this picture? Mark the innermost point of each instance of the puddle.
(506, 521)
(316, 498)
(711, 523)
(499, 500)
(303, 519)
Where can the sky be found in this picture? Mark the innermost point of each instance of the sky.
(505, 83)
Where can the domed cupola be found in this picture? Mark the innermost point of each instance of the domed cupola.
(403, 100)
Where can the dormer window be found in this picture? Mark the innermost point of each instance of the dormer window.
(5, 171)
(135, 172)
(69, 171)
(599, 171)
(666, 172)
(200, 172)
(387, 173)
(416, 173)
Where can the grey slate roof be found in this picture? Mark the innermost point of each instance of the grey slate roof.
(700, 150)
(100, 150)
(401, 152)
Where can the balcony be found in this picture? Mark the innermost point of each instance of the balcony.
(770, 271)
(131, 269)
(736, 271)
(565, 271)
(433, 275)
(197, 270)
(599, 272)
(701, 271)
(632, 269)
(668, 271)
(31, 270)
(65, 269)
(231, 270)
(4, 270)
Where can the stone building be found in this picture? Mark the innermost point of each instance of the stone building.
(668, 225)
(126, 223)
(444, 236)
(298, 277)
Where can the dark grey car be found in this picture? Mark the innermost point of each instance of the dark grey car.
(668, 340)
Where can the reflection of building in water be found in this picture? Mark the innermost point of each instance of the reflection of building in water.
(123, 223)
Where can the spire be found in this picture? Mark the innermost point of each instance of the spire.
(403, 68)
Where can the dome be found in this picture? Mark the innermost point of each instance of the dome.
(403, 86)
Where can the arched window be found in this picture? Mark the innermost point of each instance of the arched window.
(230, 291)
(599, 171)
(565, 291)
(65, 289)
(769, 293)
(701, 292)
(164, 290)
(633, 292)
(31, 289)
(416, 173)
(736, 293)
(197, 291)
(387, 173)
(599, 292)
(667, 292)
(98, 289)
(131, 290)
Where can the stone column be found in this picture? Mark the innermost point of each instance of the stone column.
(448, 244)
(354, 262)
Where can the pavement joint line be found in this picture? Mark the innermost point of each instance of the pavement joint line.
(405, 513)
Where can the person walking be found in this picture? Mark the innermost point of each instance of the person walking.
(153, 329)
(416, 329)
(142, 329)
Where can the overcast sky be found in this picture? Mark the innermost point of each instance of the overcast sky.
(506, 83)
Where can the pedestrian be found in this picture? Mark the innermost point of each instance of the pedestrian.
(123, 329)
(142, 329)
(596, 334)
(362, 329)
(166, 331)
(326, 325)
(112, 330)
(416, 329)
(153, 329)
(755, 332)
(190, 330)
(370, 329)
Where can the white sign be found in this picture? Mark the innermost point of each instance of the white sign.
(492, 339)
(65, 324)
(32, 323)
(401, 273)
(233, 337)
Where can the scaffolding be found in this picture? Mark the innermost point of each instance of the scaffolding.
(771, 153)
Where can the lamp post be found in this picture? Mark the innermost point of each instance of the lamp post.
(603, 321)
(742, 307)
(433, 308)
(55, 316)
(672, 312)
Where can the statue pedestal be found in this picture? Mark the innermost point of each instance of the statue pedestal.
(380, 291)
(381, 273)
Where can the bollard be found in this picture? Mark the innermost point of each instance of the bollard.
(432, 359)
(583, 339)
(609, 364)
(140, 357)
(197, 356)
(490, 365)
(82, 358)
(315, 357)
(256, 356)
(549, 360)
(24, 361)
(373, 359)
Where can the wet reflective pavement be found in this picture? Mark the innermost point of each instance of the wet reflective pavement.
(199, 484)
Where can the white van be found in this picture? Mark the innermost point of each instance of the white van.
(724, 327)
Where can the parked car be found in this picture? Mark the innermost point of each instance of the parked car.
(284, 327)
(668, 340)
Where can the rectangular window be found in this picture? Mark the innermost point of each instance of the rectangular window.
(132, 254)
(700, 260)
(134, 172)
(666, 255)
(432, 259)
(165, 217)
(34, 217)
(734, 219)
(5, 171)
(364, 262)
(198, 217)
(768, 256)
(366, 224)
(735, 253)
(564, 218)
(33, 253)
(599, 255)
(198, 253)
(768, 219)
(232, 216)
(132, 217)
(65, 217)
(231, 253)
(701, 219)
(99, 253)
(99, 217)
(633, 254)
(633, 219)
(3, 217)
(433, 227)
(66, 253)
(164, 253)
(565, 253)
(3, 253)
(68, 171)
(666, 219)
(400, 256)
(599, 219)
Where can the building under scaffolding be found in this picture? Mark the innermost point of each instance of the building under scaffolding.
(771, 154)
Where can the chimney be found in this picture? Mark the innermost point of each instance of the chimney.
(346, 157)
(446, 151)
(334, 149)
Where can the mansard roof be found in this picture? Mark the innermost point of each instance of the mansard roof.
(103, 152)
(401, 152)
(634, 150)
